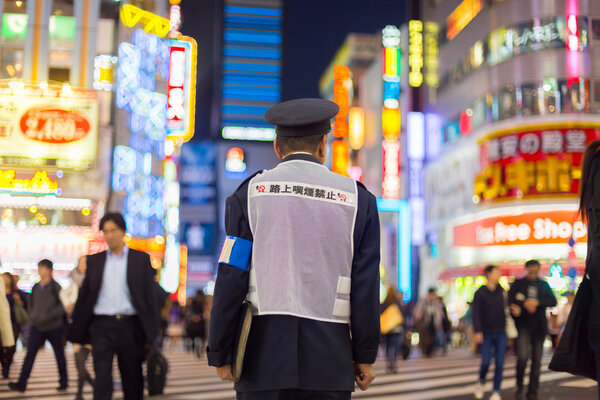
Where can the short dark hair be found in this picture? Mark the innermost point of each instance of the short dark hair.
(489, 268)
(431, 290)
(46, 263)
(532, 263)
(289, 144)
(115, 217)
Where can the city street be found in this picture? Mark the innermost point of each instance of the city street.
(449, 377)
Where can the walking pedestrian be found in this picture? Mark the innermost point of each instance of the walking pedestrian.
(303, 245)
(17, 307)
(429, 319)
(195, 323)
(47, 317)
(529, 297)
(489, 322)
(589, 208)
(116, 311)
(69, 298)
(395, 330)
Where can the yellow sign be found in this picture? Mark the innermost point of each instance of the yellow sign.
(548, 176)
(415, 53)
(39, 184)
(461, 16)
(432, 62)
(131, 16)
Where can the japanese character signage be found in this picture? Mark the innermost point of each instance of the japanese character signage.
(530, 163)
(415, 53)
(303, 190)
(181, 88)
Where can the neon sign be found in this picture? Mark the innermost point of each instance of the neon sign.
(181, 88)
(341, 91)
(39, 184)
(431, 58)
(235, 167)
(391, 121)
(248, 133)
(390, 185)
(104, 66)
(461, 16)
(391, 66)
(415, 53)
(131, 16)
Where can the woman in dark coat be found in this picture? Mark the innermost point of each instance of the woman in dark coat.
(589, 207)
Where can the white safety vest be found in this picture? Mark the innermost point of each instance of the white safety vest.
(302, 219)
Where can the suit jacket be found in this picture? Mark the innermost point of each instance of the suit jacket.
(140, 280)
(284, 351)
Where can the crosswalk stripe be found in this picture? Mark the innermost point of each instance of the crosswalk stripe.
(190, 378)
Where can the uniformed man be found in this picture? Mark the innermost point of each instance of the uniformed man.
(303, 248)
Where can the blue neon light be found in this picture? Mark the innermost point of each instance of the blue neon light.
(252, 53)
(272, 12)
(266, 38)
(251, 93)
(251, 67)
(257, 22)
(402, 208)
(245, 80)
(252, 110)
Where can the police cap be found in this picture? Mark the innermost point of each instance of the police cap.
(302, 117)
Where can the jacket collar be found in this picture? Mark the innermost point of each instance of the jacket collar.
(301, 156)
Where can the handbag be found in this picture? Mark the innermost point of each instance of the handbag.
(510, 327)
(574, 353)
(21, 315)
(390, 318)
(243, 331)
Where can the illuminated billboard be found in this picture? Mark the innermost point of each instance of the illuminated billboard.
(44, 125)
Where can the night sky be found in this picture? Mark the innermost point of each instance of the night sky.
(315, 29)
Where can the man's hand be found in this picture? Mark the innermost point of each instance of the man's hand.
(515, 310)
(363, 375)
(531, 305)
(478, 337)
(225, 373)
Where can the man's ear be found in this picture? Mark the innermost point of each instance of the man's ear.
(276, 148)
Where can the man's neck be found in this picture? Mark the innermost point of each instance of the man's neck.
(491, 285)
(117, 251)
(45, 281)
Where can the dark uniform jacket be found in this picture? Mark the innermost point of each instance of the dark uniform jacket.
(140, 280)
(290, 352)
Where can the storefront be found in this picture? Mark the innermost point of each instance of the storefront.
(508, 198)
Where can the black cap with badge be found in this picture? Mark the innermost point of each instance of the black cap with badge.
(302, 117)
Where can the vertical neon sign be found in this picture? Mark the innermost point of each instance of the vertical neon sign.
(391, 123)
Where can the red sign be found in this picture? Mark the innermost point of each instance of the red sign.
(532, 163)
(550, 227)
(54, 125)
(176, 88)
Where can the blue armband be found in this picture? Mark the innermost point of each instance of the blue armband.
(236, 252)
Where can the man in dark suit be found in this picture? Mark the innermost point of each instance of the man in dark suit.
(116, 311)
(303, 247)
